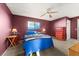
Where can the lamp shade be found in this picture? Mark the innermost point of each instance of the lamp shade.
(43, 30)
(14, 30)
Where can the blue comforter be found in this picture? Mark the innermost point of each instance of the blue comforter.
(38, 43)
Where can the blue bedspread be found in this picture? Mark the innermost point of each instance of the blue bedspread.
(37, 44)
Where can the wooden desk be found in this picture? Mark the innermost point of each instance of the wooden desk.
(12, 39)
(74, 50)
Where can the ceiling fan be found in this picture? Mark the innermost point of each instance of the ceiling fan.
(49, 11)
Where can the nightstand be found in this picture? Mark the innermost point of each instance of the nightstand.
(12, 39)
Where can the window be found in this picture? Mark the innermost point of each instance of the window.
(30, 25)
(33, 25)
(36, 25)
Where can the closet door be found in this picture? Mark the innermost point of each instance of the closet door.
(74, 28)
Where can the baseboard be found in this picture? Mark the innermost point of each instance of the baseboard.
(4, 52)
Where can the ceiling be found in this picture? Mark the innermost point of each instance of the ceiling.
(37, 9)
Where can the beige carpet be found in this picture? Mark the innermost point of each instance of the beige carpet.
(61, 49)
(63, 46)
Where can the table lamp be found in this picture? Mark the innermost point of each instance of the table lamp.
(14, 31)
(43, 30)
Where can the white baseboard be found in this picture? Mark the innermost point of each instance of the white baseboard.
(4, 52)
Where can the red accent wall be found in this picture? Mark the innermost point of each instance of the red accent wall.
(5, 16)
(20, 23)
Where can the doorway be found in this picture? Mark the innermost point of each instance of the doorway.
(77, 28)
(68, 30)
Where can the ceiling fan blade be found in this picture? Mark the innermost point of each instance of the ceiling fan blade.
(53, 12)
(43, 14)
(49, 9)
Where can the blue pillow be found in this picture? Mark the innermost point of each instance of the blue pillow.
(31, 32)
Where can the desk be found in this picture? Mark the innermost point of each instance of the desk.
(12, 39)
(74, 50)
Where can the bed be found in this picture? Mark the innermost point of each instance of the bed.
(34, 42)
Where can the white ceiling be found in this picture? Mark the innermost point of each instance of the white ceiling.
(37, 9)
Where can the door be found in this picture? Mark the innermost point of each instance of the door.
(74, 29)
(68, 30)
(77, 28)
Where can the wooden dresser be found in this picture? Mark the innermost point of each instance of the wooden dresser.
(60, 33)
(74, 50)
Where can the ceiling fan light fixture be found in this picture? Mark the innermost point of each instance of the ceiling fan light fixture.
(49, 12)
(50, 15)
